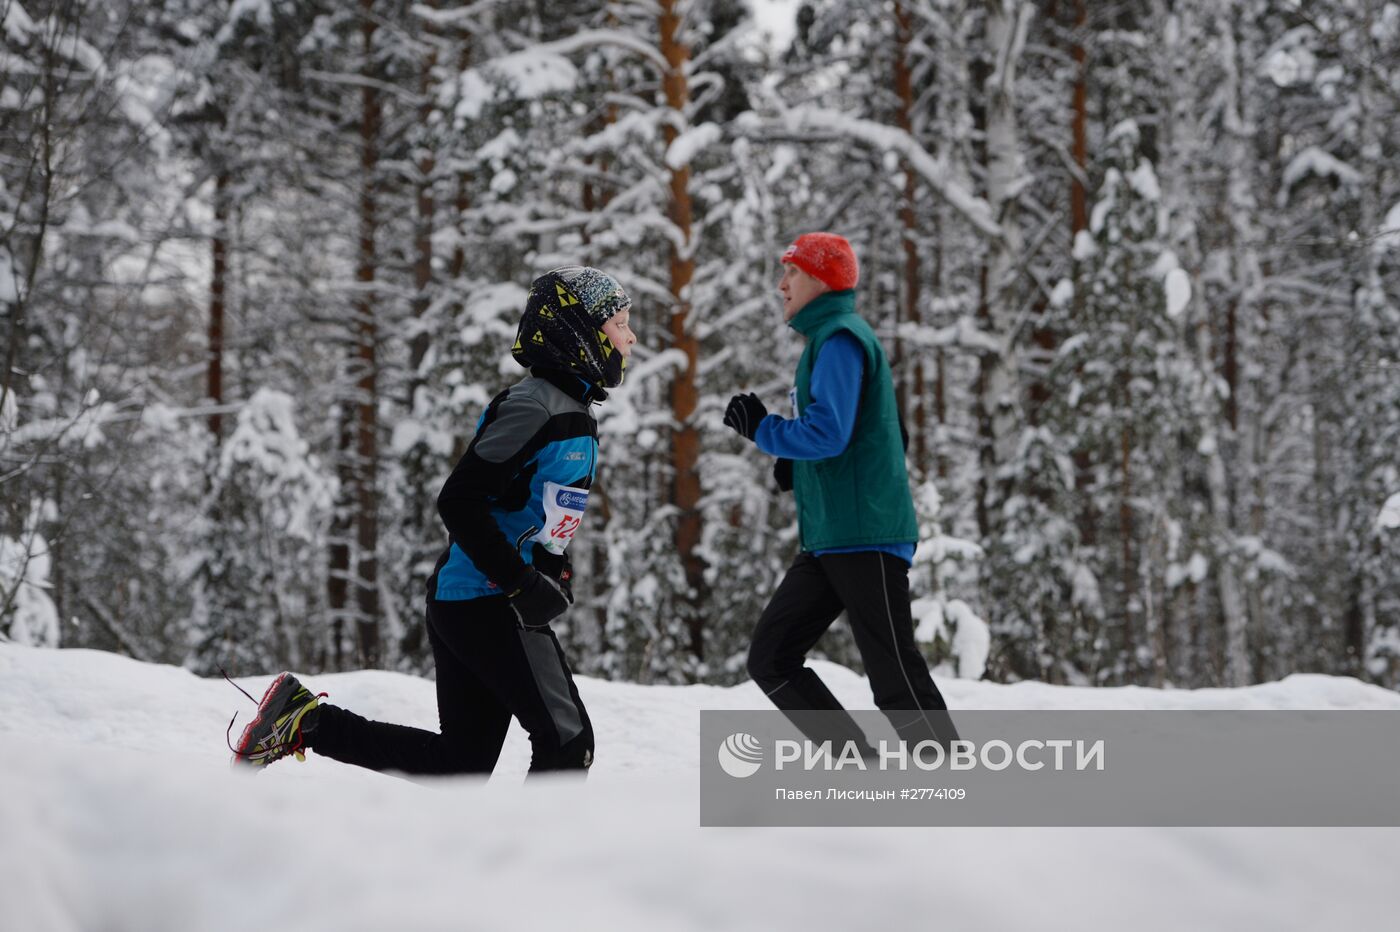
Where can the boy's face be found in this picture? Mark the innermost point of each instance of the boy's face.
(618, 329)
(797, 288)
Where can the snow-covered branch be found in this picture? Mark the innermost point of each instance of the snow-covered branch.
(818, 123)
(461, 17)
(1389, 518)
(602, 38)
(963, 333)
(543, 69)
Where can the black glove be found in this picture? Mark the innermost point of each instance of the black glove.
(538, 600)
(556, 567)
(782, 474)
(744, 414)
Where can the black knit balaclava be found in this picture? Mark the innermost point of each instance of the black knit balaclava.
(563, 321)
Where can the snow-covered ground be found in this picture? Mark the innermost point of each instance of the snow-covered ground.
(118, 812)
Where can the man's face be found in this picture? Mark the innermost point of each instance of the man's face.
(797, 288)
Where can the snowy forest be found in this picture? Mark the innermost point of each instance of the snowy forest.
(1136, 266)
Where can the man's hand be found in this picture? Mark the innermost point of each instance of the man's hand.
(538, 600)
(744, 414)
(782, 474)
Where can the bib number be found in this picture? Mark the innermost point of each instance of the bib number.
(563, 513)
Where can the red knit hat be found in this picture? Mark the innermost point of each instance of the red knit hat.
(826, 257)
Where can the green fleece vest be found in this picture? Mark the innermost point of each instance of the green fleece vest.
(861, 495)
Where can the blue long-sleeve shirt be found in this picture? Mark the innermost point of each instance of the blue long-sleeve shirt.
(825, 427)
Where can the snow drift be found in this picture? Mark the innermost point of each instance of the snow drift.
(118, 812)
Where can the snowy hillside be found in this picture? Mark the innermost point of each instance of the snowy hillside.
(118, 812)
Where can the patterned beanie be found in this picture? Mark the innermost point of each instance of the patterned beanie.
(562, 325)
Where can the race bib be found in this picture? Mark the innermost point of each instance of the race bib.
(792, 400)
(563, 513)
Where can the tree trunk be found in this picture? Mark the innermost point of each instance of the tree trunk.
(596, 197)
(425, 210)
(338, 540)
(461, 202)
(998, 389)
(685, 440)
(1044, 338)
(913, 401)
(217, 281)
(1239, 133)
(366, 363)
(1126, 531)
(1370, 299)
(940, 368)
(1079, 121)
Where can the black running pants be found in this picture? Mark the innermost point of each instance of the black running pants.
(872, 588)
(489, 669)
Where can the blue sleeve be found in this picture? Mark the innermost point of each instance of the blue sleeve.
(824, 429)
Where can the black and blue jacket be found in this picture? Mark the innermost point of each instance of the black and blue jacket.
(522, 485)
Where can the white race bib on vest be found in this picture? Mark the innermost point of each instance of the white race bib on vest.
(563, 513)
(792, 400)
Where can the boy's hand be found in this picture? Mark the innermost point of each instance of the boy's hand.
(538, 600)
(556, 567)
(744, 414)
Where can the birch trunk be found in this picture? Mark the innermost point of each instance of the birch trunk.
(1237, 61)
(998, 389)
